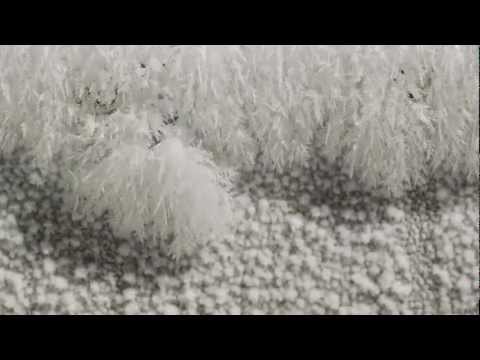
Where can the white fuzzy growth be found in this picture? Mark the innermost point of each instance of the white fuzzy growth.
(243, 99)
(171, 189)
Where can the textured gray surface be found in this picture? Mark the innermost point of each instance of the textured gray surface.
(304, 244)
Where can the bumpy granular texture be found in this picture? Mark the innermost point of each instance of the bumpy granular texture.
(309, 241)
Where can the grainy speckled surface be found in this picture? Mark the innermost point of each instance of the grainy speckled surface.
(304, 244)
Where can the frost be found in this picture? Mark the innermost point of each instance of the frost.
(170, 190)
(392, 115)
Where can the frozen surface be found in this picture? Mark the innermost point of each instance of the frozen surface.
(307, 242)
